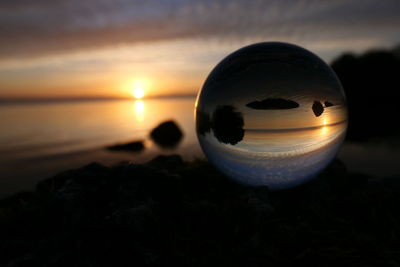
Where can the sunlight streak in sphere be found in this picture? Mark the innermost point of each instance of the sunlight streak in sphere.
(271, 114)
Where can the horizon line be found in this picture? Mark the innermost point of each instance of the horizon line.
(297, 129)
(33, 99)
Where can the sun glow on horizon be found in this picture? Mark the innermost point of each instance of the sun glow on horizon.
(138, 93)
(139, 88)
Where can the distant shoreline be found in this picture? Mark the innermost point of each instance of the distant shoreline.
(19, 101)
(281, 130)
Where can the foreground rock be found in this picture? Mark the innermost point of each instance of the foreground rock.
(167, 134)
(171, 213)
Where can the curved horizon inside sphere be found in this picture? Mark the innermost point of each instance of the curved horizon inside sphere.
(271, 114)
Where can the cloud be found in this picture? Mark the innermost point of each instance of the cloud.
(43, 27)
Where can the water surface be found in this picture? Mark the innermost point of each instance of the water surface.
(40, 139)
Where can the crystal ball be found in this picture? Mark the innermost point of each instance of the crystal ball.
(271, 114)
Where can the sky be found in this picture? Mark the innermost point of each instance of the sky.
(107, 48)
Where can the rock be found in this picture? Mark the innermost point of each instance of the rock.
(273, 103)
(317, 108)
(137, 218)
(258, 199)
(167, 134)
(169, 212)
(87, 175)
(168, 162)
(70, 191)
(134, 146)
(54, 183)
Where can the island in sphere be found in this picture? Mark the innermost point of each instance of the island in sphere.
(271, 114)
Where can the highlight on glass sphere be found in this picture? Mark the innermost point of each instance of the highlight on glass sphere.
(271, 114)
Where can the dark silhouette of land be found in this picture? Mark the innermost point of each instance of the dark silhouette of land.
(371, 83)
(227, 125)
(280, 103)
(171, 213)
(273, 103)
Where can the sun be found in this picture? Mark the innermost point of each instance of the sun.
(139, 87)
(138, 93)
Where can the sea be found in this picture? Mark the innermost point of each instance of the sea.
(39, 139)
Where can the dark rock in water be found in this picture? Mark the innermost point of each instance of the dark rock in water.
(328, 104)
(227, 125)
(317, 108)
(273, 103)
(131, 147)
(167, 134)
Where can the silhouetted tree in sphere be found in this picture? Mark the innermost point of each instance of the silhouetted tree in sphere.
(227, 125)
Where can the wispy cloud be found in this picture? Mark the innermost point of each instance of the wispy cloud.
(43, 27)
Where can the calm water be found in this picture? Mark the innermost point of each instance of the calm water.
(46, 129)
(278, 158)
(40, 140)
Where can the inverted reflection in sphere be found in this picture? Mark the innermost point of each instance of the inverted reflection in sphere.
(271, 114)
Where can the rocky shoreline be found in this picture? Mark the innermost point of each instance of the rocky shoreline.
(175, 213)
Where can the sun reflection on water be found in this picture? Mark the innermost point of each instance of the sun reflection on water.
(139, 110)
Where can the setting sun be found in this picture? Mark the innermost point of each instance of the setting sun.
(138, 93)
(139, 88)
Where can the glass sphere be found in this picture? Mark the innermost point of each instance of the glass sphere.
(271, 114)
